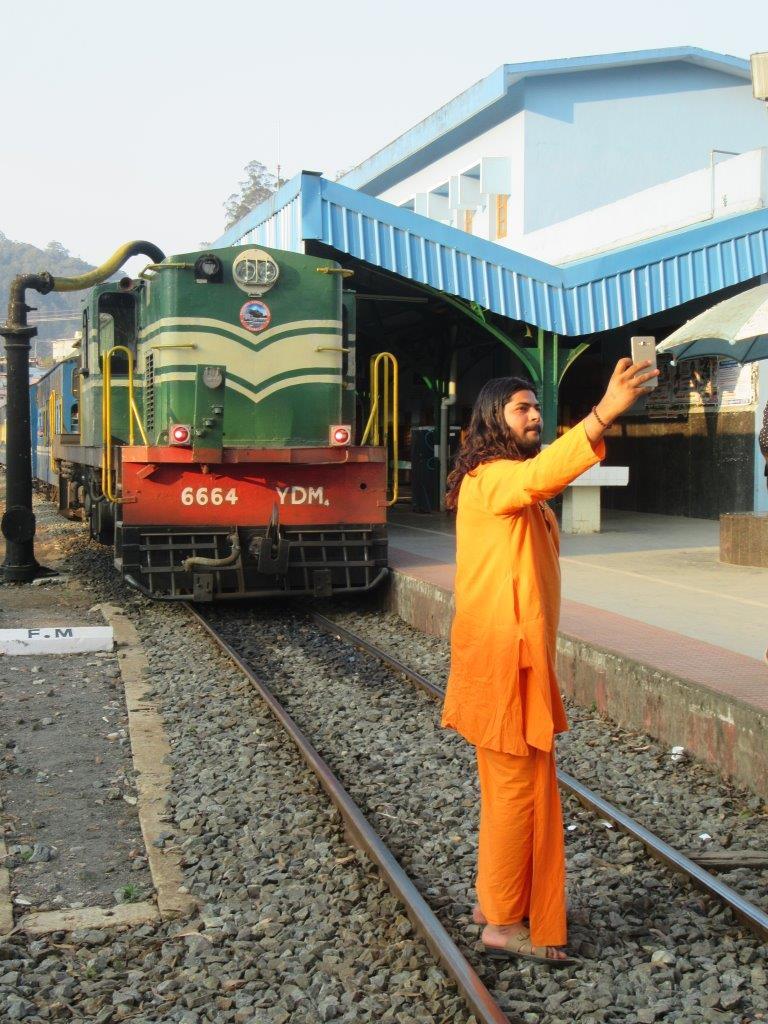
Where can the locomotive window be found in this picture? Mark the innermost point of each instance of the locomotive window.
(117, 326)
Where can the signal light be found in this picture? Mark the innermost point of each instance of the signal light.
(179, 433)
(340, 434)
(208, 269)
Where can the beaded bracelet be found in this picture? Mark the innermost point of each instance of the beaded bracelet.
(597, 417)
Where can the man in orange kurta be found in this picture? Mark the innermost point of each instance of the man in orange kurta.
(502, 693)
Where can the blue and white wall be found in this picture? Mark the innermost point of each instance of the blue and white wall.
(434, 190)
(571, 145)
(594, 137)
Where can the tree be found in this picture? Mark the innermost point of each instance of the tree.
(259, 184)
(57, 250)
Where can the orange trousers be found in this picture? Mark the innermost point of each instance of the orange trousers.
(521, 850)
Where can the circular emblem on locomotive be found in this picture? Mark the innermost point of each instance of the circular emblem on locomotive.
(255, 316)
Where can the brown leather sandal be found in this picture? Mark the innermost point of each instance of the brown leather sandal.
(519, 947)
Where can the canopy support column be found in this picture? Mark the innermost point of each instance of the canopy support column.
(546, 364)
(554, 362)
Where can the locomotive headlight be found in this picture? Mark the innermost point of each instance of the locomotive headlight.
(255, 271)
(266, 271)
(245, 273)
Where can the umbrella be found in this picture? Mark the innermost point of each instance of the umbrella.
(734, 329)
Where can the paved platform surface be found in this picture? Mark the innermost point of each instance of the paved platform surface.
(69, 820)
(660, 572)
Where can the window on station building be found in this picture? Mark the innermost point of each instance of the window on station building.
(502, 216)
(469, 220)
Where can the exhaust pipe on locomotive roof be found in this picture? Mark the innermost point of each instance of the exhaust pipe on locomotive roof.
(18, 522)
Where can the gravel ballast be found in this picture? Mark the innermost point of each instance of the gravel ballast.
(652, 948)
(293, 925)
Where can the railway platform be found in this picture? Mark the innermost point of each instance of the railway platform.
(655, 631)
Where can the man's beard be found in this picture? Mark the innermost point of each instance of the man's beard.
(528, 443)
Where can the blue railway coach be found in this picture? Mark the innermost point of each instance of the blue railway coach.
(53, 409)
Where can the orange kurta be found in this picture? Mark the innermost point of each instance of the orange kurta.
(508, 599)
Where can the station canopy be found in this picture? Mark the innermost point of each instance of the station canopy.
(581, 298)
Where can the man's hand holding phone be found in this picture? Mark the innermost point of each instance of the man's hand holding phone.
(628, 382)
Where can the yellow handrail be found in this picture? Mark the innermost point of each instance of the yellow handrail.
(341, 271)
(106, 418)
(379, 427)
(154, 267)
(52, 423)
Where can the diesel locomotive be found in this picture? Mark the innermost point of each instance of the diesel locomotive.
(207, 428)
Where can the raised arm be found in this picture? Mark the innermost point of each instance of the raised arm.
(507, 485)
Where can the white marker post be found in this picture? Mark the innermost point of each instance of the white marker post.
(56, 640)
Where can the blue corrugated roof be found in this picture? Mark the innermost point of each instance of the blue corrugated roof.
(473, 110)
(597, 294)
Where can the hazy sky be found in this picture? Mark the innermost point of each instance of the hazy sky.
(134, 120)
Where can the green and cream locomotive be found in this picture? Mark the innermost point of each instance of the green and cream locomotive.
(214, 435)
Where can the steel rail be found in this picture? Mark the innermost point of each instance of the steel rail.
(753, 917)
(362, 835)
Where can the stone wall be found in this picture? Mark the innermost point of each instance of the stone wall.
(702, 465)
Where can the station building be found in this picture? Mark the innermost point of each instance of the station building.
(535, 223)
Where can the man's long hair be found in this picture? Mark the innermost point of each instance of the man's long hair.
(488, 436)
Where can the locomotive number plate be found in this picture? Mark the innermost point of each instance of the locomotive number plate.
(209, 496)
(246, 494)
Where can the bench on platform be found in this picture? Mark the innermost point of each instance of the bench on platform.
(581, 499)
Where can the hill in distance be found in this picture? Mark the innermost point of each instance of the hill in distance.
(54, 309)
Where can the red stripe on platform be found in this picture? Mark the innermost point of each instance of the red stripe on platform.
(726, 672)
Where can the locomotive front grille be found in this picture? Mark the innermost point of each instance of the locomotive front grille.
(320, 561)
(149, 391)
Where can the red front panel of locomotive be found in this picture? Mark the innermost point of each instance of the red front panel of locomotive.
(245, 494)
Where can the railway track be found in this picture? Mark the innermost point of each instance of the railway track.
(363, 836)
(301, 922)
(479, 996)
(753, 917)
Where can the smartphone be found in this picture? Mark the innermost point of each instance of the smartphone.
(643, 348)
